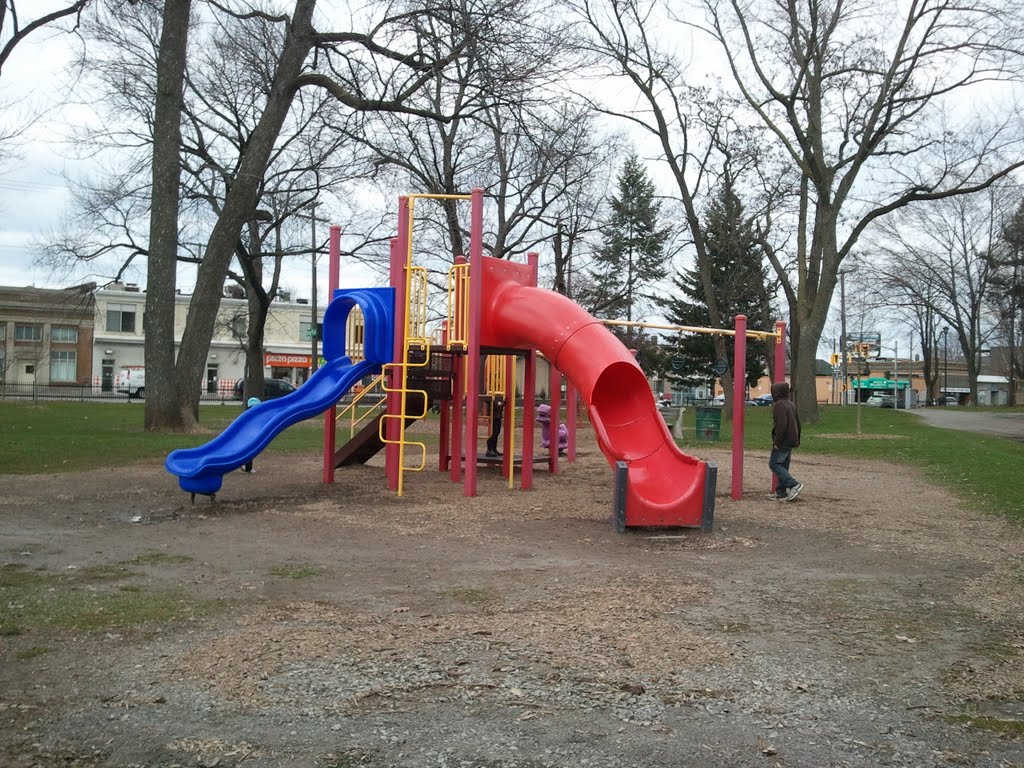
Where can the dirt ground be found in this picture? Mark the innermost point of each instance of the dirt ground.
(872, 622)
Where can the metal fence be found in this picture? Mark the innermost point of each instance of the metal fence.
(84, 393)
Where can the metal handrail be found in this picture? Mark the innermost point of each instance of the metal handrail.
(356, 419)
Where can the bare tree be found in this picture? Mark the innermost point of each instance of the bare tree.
(13, 32)
(161, 409)
(874, 106)
(16, 32)
(689, 128)
(936, 262)
(359, 70)
(1007, 258)
(501, 131)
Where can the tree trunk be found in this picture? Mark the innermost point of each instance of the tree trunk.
(238, 209)
(259, 307)
(161, 408)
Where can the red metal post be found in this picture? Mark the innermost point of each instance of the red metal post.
(779, 370)
(555, 385)
(529, 393)
(739, 401)
(396, 378)
(780, 352)
(458, 390)
(444, 422)
(476, 283)
(331, 416)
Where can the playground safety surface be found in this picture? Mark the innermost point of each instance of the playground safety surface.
(872, 622)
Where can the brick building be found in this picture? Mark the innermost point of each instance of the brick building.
(46, 335)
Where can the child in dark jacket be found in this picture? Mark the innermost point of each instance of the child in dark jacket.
(497, 412)
(785, 437)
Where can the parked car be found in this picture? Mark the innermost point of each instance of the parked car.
(952, 400)
(881, 401)
(272, 388)
(717, 400)
(763, 400)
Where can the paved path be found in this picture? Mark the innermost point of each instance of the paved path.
(987, 422)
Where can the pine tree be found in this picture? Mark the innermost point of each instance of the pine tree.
(632, 256)
(739, 277)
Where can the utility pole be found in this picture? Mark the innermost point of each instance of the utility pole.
(896, 373)
(843, 341)
(945, 365)
(1014, 301)
(314, 356)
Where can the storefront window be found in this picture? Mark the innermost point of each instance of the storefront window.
(63, 364)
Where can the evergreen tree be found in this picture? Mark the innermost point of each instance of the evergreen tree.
(632, 255)
(740, 279)
(1007, 261)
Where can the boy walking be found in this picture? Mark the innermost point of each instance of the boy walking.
(785, 437)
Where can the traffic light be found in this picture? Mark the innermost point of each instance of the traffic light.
(834, 359)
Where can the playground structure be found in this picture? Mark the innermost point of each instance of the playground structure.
(497, 312)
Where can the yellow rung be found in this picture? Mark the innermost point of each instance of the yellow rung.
(426, 196)
(458, 316)
(494, 375)
(351, 410)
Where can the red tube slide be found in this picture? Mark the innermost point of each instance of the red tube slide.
(666, 487)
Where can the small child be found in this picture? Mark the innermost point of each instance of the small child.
(250, 403)
(785, 437)
(497, 413)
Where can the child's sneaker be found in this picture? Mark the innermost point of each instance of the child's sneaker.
(776, 497)
(793, 492)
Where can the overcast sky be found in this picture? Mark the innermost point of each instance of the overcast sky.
(33, 192)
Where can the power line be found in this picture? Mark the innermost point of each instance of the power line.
(24, 185)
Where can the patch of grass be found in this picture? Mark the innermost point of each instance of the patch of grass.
(81, 601)
(104, 572)
(31, 653)
(294, 571)
(159, 558)
(984, 470)
(994, 724)
(61, 437)
(349, 759)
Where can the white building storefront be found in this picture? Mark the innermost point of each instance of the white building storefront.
(119, 339)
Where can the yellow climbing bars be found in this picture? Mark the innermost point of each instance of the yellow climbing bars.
(414, 336)
(494, 375)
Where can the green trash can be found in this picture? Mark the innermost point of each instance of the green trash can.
(709, 423)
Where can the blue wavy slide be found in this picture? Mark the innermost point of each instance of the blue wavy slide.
(202, 469)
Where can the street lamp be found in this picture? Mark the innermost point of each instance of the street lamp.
(313, 351)
(945, 365)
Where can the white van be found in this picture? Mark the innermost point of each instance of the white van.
(131, 381)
